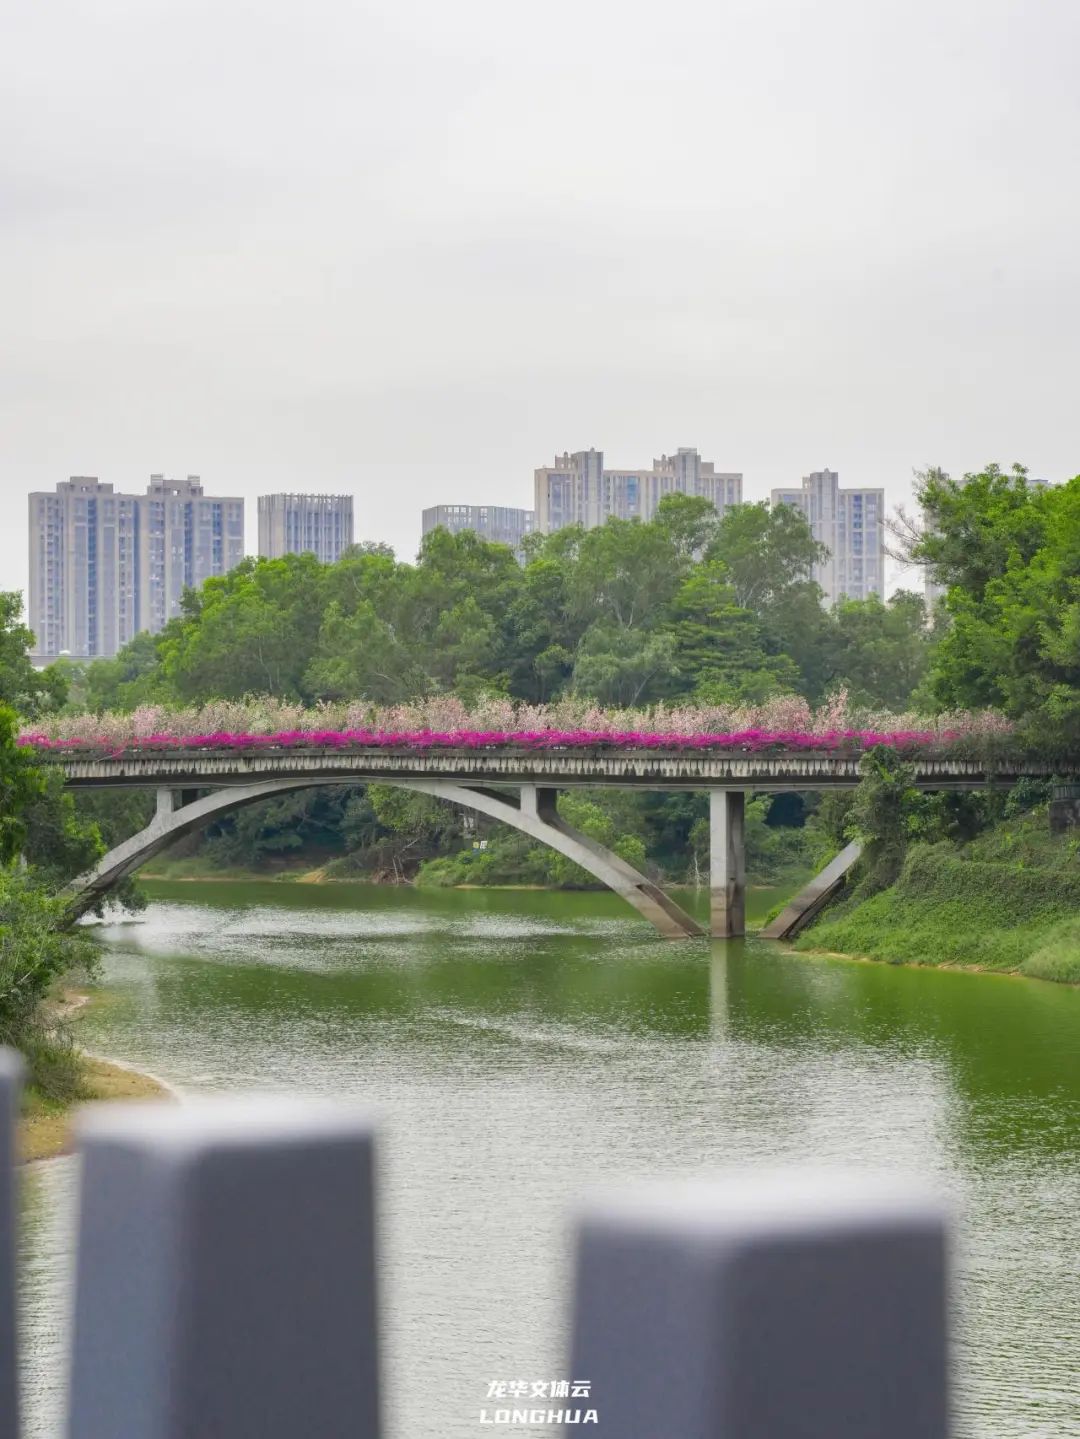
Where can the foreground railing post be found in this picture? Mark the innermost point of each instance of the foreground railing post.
(225, 1273)
(11, 1072)
(769, 1307)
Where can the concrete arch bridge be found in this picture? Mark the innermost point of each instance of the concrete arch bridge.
(520, 787)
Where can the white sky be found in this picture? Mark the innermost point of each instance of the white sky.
(409, 249)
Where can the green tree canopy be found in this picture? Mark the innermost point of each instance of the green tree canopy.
(1009, 552)
(28, 691)
(21, 782)
(767, 552)
(879, 651)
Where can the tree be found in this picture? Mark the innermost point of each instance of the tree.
(768, 556)
(456, 604)
(976, 527)
(689, 522)
(879, 652)
(625, 574)
(883, 816)
(21, 782)
(1010, 555)
(28, 691)
(544, 629)
(251, 631)
(766, 552)
(37, 947)
(299, 820)
(466, 649)
(131, 678)
(359, 655)
(416, 825)
(617, 666)
(58, 844)
(718, 648)
(65, 837)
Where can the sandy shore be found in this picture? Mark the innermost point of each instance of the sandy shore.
(45, 1128)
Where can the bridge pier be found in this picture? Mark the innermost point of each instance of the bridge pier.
(727, 863)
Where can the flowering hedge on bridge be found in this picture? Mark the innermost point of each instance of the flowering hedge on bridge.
(784, 724)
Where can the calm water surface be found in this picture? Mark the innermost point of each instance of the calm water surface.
(520, 1046)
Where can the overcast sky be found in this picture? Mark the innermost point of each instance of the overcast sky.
(410, 249)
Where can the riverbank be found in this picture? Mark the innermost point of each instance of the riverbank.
(196, 871)
(45, 1124)
(1009, 904)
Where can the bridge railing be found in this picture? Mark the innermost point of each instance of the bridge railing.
(227, 1286)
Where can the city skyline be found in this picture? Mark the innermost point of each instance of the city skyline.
(105, 565)
(739, 488)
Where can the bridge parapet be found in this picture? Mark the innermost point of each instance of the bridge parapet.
(630, 768)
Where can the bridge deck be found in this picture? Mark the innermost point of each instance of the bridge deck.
(632, 769)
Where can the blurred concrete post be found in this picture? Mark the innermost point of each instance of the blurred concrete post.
(225, 1273)
(11, 1072)
(727, 863)
(777, 1306)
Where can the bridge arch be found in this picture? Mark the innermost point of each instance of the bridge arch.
(532, 810)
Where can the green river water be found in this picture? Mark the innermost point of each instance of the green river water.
(520, 1046)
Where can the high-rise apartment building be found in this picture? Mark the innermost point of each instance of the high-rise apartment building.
(84, 541)
(501, 524)
(104, 566)
(320, 525)
(577, 489)
(851, 525)
(186, 537)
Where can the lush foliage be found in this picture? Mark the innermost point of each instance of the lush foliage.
(29, 691)
(946, 908)
(57, 835)
(1008, 552)
(1004, 893)
(21, 781)
(35, 945)
(685, 608)
(36, 949)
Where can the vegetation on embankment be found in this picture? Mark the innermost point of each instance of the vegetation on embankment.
(204, 868)
(1008, 900)
(45, 1123)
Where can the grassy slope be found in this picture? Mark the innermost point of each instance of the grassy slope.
(1010, 902)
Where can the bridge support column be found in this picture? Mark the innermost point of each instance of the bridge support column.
(727, 863)
(166, 803)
